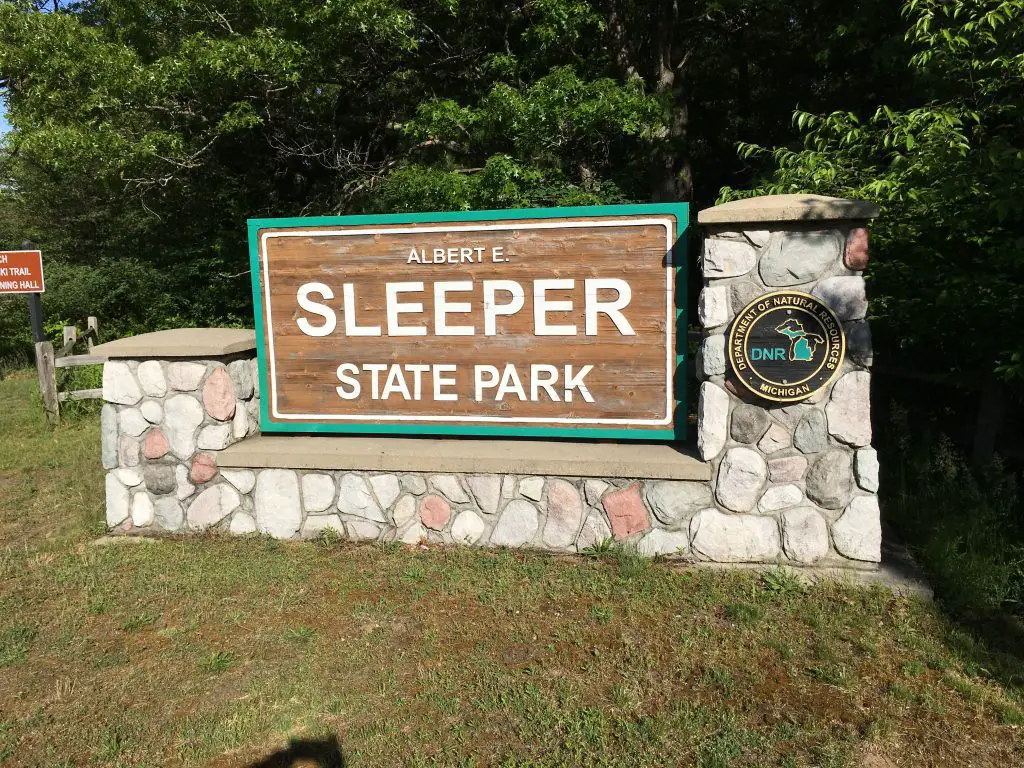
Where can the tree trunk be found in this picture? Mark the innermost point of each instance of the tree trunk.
(671, 170)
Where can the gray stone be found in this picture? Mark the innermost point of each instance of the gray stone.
(108, 436)
(169, 514)
(594, 490)
(362, 530)
(254, 372)
(355, 498)
(745, 293)
(468, 528)
(386, 488)
(185, 377)
(865, 467)
(211, 506)
(317, 492)
(804, 535)
(243, 479)
(849, 409)
(664, 543)
(414, 484)
(676, 501)
(712, 355)
(152, 411)
(317, 524)
(183, 488)
(790, 415)
(758, 237)
(811, 433)
(712, 420)
(278, 506)
(727, 258)
(780, 497)
(142, 510)
(449, 486)
(594, 533)
(857, 534)
(159, 478)
(214, 437)
(486, 490)
(774, 440)
(859, 348)
(791, 258)
(787, 469)
(532, 487)
(749, 423)
(713, 308)
(119, 385)
(404, 511)
(252, 412)
(151, 377)
(565, 514)
(241, 376)
(182, 416)
(517, 525)
(127, 451)
(724, 538)
(741, 476)
(241, 524)
(846, 296)
(240, 423)
(118, 501)
(830, 481)
(128, 477)
(130, 422)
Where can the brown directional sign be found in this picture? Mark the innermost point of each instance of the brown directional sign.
(21, 272)
(557, 322)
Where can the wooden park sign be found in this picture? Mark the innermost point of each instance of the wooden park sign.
(544, 322)
(21, 272)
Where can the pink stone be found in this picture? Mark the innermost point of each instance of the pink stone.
(787, 470)
(204, 468)
(626, 511)
(856, 256)
(219, 395)
(434, 512)
(155, 445)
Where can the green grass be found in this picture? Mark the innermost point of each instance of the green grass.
(214, 651)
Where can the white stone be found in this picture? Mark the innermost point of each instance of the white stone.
(243, 479)
(758, 237)
(595, 532)
(741, 476)
(468, 528)
(713, 308)
(317, 524)
(675, 501)
(181, 479)
(508, 487)
(668, 543)
(152, 411)
(211, 506)
(532, 487)
(486, 489)
(594, 490)
(724, 538)
(846, 296)
(108, 436)
(240, 423)
(857, 534)
(169, 514)
(413, 534)
(241, 376)
(849, 409)
(278, 507)
(449, 486)
(127, 451)
(404, 511)
(131, 422)
(118, 501)
(712, 420)
(386, 489)
(317, 492)
(804, 535)
(119, 385)
(362, 530)
(182, 416)
(185, 377)
(727, 258)
(151, 377)
(254, 373)
(129, 477)
(517, 525)
(780, 497)
(775, 439)
(242, 523)
(214, 437)
(798, 257)
(143, 513)
(355, 498)
(712, 355)
(865, 467)
(414, 484)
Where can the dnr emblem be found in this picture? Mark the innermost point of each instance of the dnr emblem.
(786, 346)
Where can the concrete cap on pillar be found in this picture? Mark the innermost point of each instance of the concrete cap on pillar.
(798, 207)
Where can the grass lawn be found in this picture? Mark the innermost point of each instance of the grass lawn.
(216, 652)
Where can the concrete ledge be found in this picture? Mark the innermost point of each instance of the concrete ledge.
(181, 342)
(787, 208)
(514, 457)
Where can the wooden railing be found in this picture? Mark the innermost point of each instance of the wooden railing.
(49, 360)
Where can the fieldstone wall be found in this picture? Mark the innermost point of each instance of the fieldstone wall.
(800, 480)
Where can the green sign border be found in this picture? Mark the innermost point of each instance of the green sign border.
(681, 211)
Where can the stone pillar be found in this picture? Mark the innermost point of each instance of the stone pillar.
(795, 481)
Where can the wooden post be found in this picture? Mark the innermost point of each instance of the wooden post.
(35, 317)
(70, 333)
(92, 324)
(47, 381)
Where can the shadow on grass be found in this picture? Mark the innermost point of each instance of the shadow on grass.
(305, 753)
